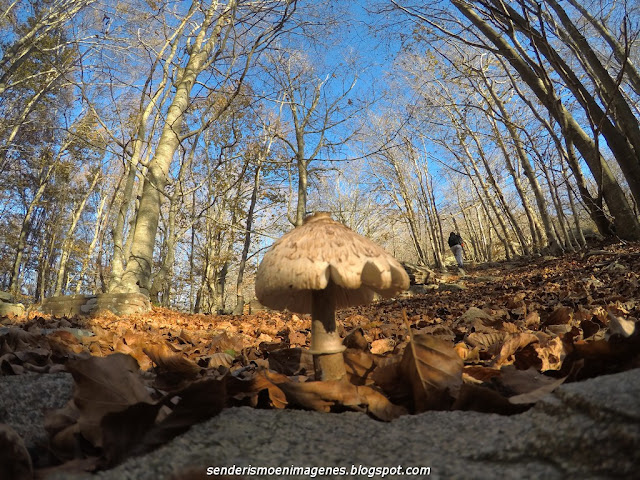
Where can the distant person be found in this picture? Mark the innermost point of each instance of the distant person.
(457, 247)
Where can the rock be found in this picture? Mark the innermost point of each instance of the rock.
(117, 303)
(418, 290)
(256, 306)
(6, 297)
(23, 401)
(11, 309)
(451, 287)
(588, 429)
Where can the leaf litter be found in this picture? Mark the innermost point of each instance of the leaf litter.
(516, 332)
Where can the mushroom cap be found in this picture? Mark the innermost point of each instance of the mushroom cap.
(323, 253)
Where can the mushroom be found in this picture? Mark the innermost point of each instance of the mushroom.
(318, 267)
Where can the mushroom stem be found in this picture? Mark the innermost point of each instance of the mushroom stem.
(326, 344)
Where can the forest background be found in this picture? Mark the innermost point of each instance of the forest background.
(161, 146)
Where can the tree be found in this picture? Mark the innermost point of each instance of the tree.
(216, 29)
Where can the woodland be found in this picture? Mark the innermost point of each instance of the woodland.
(160, 148)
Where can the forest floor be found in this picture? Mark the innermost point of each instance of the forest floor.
(494, 340)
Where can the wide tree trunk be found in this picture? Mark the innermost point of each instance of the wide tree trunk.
(137, 276)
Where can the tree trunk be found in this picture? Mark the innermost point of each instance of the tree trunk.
(137, 275)
(626, 223)
(239, 308)
(65, 252)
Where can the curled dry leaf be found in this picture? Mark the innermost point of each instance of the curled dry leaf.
(528, 385)
(479, 374)
(355, 340)
(323, 396)
(359, 366)
(434, 370)
(560, 316)
(242, 389)
(477, 318)
(532, 320)
(485, 340)
(291, 361)
(467, 354)
(168, 361)
(511, 345)
(382, 346)
(552, 354)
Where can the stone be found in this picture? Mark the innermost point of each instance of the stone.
(451, 287)
(117, 303)
(11, 309)
(588, 429)
(6, 297)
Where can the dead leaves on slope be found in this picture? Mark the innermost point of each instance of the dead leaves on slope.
(498, 347)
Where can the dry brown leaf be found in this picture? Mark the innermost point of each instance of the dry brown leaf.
(323, 396)
(102, 386)
(532, 320)
(132, 432)
(479, 374)
(535, 395)
(382, 346)
(477, 318)
(510, 327)
(220, 359)
(15, 461)
(560, 316)
(62, 427)
(551, 353)
(434, 371)
(247, 391)
(482, 399)
(485, 340)
(291, 361)
(168, 361)
(511, 345)
(529, 385)
(359, 366)
(355, 340)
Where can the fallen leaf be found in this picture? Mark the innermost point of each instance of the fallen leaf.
(511, 345)
(355, 340)
(434, 371)
(485, 340)
(620, 326)
(323, 396)
(382, 346)
(551, 353)
(168, 361)
(102, 386)
(359, 366)
(291, 361)
(529, 385)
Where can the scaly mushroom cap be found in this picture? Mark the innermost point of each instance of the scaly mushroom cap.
(323, 253)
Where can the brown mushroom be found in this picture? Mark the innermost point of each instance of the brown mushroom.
(318, 267)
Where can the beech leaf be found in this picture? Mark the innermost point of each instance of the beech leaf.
(104, 385)
(434, 370)
(323, 396)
